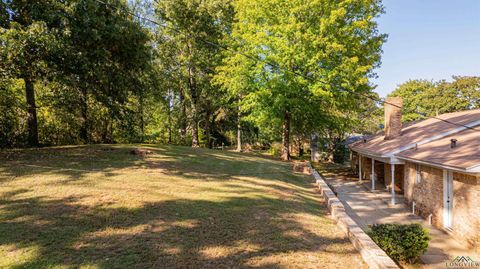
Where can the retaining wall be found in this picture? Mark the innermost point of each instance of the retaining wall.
(373, 255)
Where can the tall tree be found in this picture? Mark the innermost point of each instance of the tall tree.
(307, 51)
(424, 98)
(192, 27)
(29, 41)
(107, 53)
(413, 93)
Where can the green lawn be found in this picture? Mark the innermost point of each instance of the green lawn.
(101, 207)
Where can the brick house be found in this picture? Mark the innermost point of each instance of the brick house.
(433, 165)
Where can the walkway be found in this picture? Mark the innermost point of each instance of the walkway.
(367, 208)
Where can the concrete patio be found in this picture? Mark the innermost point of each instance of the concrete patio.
(367, 208)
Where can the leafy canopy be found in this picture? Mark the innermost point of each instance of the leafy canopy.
(307, 52)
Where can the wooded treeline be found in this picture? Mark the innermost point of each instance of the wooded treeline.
(424, 98)
(190, 72)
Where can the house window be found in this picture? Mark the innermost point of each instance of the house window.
(418, 174)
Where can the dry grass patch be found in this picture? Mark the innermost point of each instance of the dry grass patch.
(102, 207)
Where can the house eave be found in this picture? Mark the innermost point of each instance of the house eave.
(386, 158)
(475, 170)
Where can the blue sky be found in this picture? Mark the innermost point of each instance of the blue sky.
(428, 39)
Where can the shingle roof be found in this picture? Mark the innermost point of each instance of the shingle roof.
(417, 133)
(464, 156)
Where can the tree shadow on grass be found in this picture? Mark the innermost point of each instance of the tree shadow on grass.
(74, 163)
(78, 162)
(252, 229)
(234, 233)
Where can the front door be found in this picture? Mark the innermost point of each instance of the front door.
(448, 199)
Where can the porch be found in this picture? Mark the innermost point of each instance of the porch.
(367, 207)
(383, 193)
(381, 175)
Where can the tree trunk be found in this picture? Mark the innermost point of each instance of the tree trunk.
(170, 104)
(314, 148)
(300, 147)
(208, 142)
(239, 132)
(286, 137)
(331, 151)
(111, 132)
(194, 127)
(194, 110)
(331, 146)
(169, 113)
(84, 115)
(183, 117)
(31, 113)
(106, 132)
(212, 124)
(142, 118)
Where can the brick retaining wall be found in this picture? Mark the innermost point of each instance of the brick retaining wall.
(373, 256)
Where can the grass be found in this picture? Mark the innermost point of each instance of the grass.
(341, 171)
(101, 207)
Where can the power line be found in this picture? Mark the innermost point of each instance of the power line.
(275, 65)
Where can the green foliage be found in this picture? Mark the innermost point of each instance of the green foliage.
(423, 98)
(324, 45)
(12, 128)
(275, 149)
(26, 49)
(90, 65)
(414, 93)
(186, 46)
(340, 153)
(29, 44)
(98, 74)
(404, 243)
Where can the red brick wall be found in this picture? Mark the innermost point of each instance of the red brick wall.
(388, 174)
(466, 208)
(380, 172)
(399, 176)
(428, 194)
(366, 167)
(393, 117)
(354, 161)
(409, 181)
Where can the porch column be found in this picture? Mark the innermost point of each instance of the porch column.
(373, 174)
(393, 182)
(360, 167)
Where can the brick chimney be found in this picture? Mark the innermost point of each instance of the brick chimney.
(393, 117)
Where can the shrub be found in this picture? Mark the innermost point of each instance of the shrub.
(275, 149)
(403, 243)
(340, 153)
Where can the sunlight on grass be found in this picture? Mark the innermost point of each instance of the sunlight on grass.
(13, 254)
(101, 207)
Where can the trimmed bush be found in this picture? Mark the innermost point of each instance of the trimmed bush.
(403, 243)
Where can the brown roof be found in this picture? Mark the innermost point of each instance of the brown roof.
(464, 156)
(418, 132)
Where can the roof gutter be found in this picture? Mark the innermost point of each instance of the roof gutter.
(379, 157)
(471, 170)
(474, 169)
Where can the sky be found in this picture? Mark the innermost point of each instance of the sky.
(428, 39)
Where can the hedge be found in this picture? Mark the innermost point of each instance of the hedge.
(403, 243)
